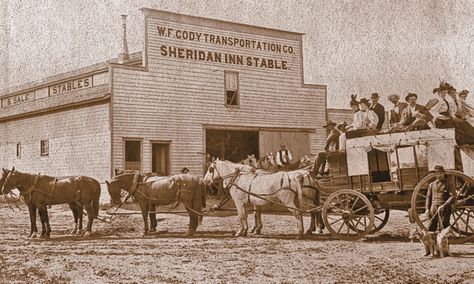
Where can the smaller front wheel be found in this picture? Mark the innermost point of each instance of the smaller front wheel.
(348, 215)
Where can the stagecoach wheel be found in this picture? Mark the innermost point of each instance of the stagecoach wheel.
(462, 216)
(348, 215)
(380, 220)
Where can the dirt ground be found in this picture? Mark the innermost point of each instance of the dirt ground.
(118, 253)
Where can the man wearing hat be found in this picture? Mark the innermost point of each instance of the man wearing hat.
(378, 109)
(397, 110)
(414, 116)
(331, 146)
(283, 156)
(439, 199)
(466, 111)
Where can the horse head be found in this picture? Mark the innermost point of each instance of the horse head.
(8, 180)
(115, 186)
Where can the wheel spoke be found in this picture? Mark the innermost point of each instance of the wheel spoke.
(467, 224)
(363, 207)
(338, 220)
(355, 202)
(463, 186)
(339, 230)
(358, 222)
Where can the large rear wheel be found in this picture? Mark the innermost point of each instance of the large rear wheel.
(348, 215)
(462, 214)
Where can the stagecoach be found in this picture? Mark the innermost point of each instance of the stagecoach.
(380, 173)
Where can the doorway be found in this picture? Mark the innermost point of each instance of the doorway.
(160, 157)
(231, 145)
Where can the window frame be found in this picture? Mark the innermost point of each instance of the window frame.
(46, 143)
(164, 142)
(226, 73)
(18, 150)
(124, 160)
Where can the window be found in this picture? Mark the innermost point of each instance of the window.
(18, 150)
(379, 166)
(231, 88)
(133, 155)
(44, 147)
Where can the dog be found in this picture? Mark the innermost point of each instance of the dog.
(428, 239)
(442, 242)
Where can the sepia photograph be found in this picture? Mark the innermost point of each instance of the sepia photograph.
(244, 141)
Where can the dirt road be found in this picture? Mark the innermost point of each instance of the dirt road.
(117, 252)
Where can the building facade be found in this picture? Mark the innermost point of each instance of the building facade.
(200, 86)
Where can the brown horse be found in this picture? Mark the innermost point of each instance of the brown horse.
(156, 191)
(40, 191)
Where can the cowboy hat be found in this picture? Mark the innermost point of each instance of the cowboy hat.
(342, 126)
(365, 102)
(328, 123)
(410, 95)
(393, 96)
(442, 87)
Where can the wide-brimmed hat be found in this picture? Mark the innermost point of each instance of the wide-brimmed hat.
(342, 126)
(354, 101)
(438, 168)
(365, 101)
(328, 123)
(184, 169)
(411, 95)
(464, 92)
(442, 87)
(374, 96)
(393, 96)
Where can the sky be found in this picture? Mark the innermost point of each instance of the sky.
(353, 47)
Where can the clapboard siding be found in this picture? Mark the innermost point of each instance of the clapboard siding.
(79, 142)
(175, 99)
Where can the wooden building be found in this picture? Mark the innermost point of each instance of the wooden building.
(199, 86)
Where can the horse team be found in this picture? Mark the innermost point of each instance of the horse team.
(245, 184)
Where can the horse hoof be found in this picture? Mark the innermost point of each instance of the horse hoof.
(253, 230)
(320, 231)
(87, 234)
(153, 230)
(309, 232)
(73, 232)
(258, 232)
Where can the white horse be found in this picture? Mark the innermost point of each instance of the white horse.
(258, 189)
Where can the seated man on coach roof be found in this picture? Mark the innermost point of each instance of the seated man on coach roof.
(414, 116)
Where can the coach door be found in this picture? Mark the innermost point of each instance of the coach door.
(160, 156)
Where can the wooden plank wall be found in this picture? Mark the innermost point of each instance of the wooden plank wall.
(176, 98)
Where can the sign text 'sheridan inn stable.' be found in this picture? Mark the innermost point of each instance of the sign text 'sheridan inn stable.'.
(228, 58)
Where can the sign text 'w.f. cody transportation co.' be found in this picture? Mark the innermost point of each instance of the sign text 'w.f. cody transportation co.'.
(70, 86)
(221, 57)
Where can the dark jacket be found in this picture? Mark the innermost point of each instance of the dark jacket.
(408, 118)
(380, 111)
(394, 116)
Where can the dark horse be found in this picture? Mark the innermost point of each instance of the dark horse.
(39, 191)
(155, 191)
